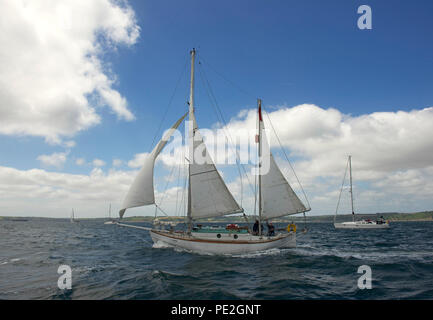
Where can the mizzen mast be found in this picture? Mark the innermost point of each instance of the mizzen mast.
(259, 102)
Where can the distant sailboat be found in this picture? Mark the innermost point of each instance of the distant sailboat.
(356, 224)
(208, 196)
(110, 220)
(73, 220)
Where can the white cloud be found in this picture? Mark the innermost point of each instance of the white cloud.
(70, 144)
(98, 163)
(381, 141)
(52, 77)
(117, 162)
(138, 160)
(56, 159)
(392, 166)
(55, 193)
(80, 161)
(391, 153)
(37, 192)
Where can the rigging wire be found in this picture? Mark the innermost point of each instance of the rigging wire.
(168, 106)
(181, 185)
(214, 103)
(341, 190)
(227, 80)
(184, 190)
(165, 191)
(218, 113)
(177, 186)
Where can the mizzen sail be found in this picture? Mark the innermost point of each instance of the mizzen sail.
(277, 196)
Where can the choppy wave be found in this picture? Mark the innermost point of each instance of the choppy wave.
(109, 262)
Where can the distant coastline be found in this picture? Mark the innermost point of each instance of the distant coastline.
(391, 216)
(424, 216)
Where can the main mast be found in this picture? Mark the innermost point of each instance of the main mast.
(351, 189)
(192, 128)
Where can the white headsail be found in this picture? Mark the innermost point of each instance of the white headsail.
(141, 192)
(277, 197)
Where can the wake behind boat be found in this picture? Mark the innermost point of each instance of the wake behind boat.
(360, 224)
(208, 196)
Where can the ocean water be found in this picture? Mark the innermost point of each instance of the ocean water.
(110, 262)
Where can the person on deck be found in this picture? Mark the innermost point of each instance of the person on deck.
(271, 229)
(256, 230)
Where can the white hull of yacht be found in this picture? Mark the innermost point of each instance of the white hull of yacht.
(360, 225)
(208, 243)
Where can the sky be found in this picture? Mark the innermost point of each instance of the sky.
(86, 86)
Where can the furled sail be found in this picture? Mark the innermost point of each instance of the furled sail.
(209, 195)
(141, 192)
(278, 198)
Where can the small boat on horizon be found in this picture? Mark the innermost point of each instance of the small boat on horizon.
(73, 220)
(356, 224)
(110, 220)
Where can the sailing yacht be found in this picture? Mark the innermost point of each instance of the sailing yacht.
(73, 220)
(110, 220)
(208, 196)
(357, 224)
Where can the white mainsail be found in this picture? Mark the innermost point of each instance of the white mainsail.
(141, 192)
(277, 197)
(210, 196)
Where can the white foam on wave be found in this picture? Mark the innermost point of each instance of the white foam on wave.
(162, 272)
(160, 245)
(269, 252)
(311, 250)
(163, 245)
(12, 260)
(384, 255)
(258, 254)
